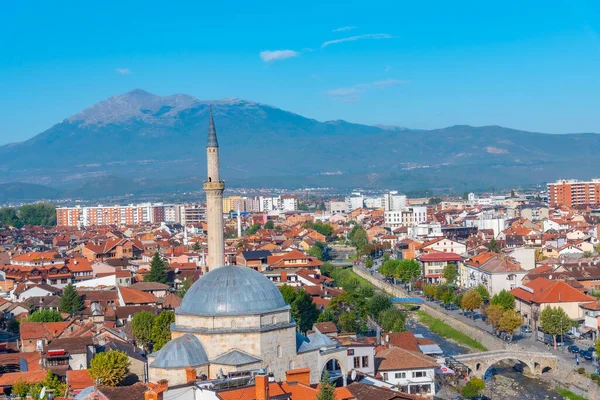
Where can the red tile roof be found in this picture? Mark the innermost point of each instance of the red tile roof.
(439, 256)
(550, 291)
(79, 379)
(134, 296)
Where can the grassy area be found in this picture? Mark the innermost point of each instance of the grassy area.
(441, 328)
(567, 394)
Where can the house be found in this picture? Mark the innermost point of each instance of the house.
(24, 291)
(412, 371)
(133, 297)
(113, 248)
(532, 298)
(360, 354)
(252, 259)
(326, 328)
(78, 379)
(294, 259)
(9, 379)
(363, 391)
(156, 289)
(445, 245)
(36, 335)
(135, 391)
(63, 354)
(591, 322)
(496, 272)
(434, 263)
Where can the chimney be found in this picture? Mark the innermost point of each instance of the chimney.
(190, 374)
(301, 375)
(261, 383)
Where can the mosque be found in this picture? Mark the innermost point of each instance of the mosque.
(233, 321)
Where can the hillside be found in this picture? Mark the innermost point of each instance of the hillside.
(154, 140)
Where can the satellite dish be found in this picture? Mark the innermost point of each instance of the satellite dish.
(43, 392)
(353, 375)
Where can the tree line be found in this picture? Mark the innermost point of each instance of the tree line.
(41, 214)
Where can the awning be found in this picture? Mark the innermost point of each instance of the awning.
(446, 370)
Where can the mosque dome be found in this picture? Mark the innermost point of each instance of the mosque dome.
(182, 352)
(231, 290)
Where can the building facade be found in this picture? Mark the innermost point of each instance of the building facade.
(573, 193)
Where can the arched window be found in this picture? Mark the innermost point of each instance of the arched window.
(279, 351)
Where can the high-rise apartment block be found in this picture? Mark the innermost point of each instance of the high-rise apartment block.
(573, 193)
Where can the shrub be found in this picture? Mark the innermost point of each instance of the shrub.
(581, 370)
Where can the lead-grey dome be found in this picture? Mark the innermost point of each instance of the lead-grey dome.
(232, 290)
(182, 352)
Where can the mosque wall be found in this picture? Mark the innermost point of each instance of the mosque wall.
(175, 376)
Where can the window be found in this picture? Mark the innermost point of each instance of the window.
(356, 362)
(279, 351)
(385, 376)
(400, 375)
(418, 374)
(350, 352)
(365, 361)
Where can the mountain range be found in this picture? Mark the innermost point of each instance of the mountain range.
(139, 142)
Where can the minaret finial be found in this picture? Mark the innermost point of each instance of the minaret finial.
(212, 132)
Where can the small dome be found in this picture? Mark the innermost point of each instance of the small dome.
(232, 290)
(182, 352)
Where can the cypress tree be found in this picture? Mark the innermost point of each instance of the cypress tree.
(70, 301)
(158, 270)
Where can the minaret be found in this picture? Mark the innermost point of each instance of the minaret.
(239, 222)
(213, 186)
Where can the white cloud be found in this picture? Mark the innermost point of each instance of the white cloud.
(352, 94)
(359, 37)
(344, 28)
(123, 71)
(276, 55)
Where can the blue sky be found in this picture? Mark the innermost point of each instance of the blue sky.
(532, 65)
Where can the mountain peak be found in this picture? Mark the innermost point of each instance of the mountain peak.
(136, 103)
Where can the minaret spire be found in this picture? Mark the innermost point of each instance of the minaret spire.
(214, 186)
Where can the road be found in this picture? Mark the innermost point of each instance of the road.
(528, 343)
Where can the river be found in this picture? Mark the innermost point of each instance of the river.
(503, 382)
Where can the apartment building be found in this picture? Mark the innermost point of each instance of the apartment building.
(573, 193)
(409, 216)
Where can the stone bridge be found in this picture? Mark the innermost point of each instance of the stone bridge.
(535, 363)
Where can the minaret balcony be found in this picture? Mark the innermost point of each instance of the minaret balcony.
(210, 185)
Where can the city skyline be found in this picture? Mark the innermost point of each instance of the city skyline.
(392, 64)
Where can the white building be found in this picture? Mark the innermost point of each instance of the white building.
(337, 207)
(409, 216)
(392, 201)
(496, 272)
(413, 372)
(356, 200)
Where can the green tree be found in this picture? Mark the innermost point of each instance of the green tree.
(315, 251)
(185, 286)
(288, 293)
(473, 388)
(141, 326)
(389, 268)
(493, 246)
(377, 304)
(587, 254)
(509, 322)
(20, 388)
(471, 301)
(408, 270)
(512, 193)
(445, 294)
(70, 301)
(304, 311)
(483, 292)
(327, 268)
(326, 389)
(369, 263)
(555, 321)
(458, 299)
(269, 224)
(429, 291)
(324, 229)
(392, 320)
(494, 313)
(434, 201)
(504, 299)
(450, 274)
(161, 329)
(386, 256)
(41, 214)
(196, 246)
(253, 229)
(358, 237)
(597, 345)
(9, 217)
(110, 367)
(158, 270)
(45, 315)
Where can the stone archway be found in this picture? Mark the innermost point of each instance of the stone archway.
(335, 368)
(480, 367)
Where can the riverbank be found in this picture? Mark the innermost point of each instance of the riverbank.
(441, 328)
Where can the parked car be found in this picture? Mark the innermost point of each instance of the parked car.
(588, 355)
(581, 351)
(573, 349)
(591, 349)
(526, 329)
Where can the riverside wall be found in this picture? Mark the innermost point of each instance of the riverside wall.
(483, 337)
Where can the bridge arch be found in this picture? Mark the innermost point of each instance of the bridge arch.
(532, 362)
